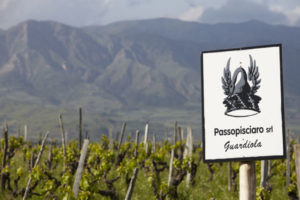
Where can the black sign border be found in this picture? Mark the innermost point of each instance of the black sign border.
(282, 107)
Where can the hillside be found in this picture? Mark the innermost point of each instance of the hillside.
(133, 71)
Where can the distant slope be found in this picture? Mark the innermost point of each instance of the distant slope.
(125, 70)
(219, 36)
(51, 58)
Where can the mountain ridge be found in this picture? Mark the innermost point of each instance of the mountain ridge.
(125, 70)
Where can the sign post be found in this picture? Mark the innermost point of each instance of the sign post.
(243, 108)
(247, 180)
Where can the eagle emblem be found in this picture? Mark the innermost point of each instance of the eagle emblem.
(241, 99)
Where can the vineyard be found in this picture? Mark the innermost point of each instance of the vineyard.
(129, 168)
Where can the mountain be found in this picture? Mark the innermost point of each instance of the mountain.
(134, 71)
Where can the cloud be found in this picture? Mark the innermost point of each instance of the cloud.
(240, 11)
(87, 12)
(192, 14)
(72, 12)
(136, 2)
(4, 4)
(95, 12)
(205, 3)
(293, 14)
(144, 9)
(5, 7)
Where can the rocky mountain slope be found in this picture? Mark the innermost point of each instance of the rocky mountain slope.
(134, 71)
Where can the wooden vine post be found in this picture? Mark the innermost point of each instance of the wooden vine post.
(297, 163)
(80, 168)
(122, 135)
(171, 168)
(269, 167)
(175, 132)
(137, 134)
(111, 141)
(247, 180)
(63, 138)
(35, 164)
(188, 151)
(80, 128)
(131, 184)
(288, 160)
(154, 144)
(5, 134)
(229, 176)
(264, 173)
(50, 155)
(172, 155)
(146, 138)
(25, 133)
(179, 135)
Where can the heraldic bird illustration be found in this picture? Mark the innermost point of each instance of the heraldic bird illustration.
(240, 96)
(241, 87)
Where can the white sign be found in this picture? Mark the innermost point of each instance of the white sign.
(242, 101)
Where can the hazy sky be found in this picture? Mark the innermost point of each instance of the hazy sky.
(93, 12)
